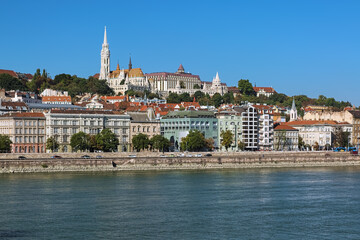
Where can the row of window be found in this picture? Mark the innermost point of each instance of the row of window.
(29, 123)
(144, 129)
(29, 139)
(29, 149)
(29, 131)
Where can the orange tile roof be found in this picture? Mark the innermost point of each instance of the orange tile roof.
(285, 127)
(113, 97)
(311, 122)
(25, 114)
(266, 89)
(56, 99)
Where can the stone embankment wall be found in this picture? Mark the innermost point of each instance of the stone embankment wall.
(120, 162)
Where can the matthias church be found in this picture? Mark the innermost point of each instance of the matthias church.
(162, 83)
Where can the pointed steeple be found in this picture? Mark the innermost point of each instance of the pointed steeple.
(293, 112)
(293, 107)
(130, 65)
(118, 66)
(105, 59)
(105, 37)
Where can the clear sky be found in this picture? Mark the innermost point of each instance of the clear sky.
(297, 47)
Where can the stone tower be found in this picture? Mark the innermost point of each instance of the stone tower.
(293, 112)
(105, 59)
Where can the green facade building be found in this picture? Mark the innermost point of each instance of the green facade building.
(176, 125)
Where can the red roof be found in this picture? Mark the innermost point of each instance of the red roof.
(285, 127)
(96, 75)
(25, 114)
(233, 89)
(56, 99)
(10, 72)
(266, 89)
(311, 122)
(113, 97)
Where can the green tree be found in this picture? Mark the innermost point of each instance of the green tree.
(217, 99)
(185, 97)
(241, 145)
(198, 95)
(8, 82)
(80, 141)
(228, 97)
(107, 141)
(196, 86)
(140, 142)
(182, 85)
(194, 141)
(245, 87)
(38, 82)
(160, 143)
(210, 144)
(173, 98)
(227, 138)
(5, 143)
(301, 143)
(52, 144)
(341, 138)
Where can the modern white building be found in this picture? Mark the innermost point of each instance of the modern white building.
(266, 127)
(249, 118)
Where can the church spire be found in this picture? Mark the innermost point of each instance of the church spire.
(293, 112)
(293, 107)
(105, 37)
(105, 59)
(130, 65)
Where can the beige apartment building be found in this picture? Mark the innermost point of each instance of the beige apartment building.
(26, 131)
(145, 123)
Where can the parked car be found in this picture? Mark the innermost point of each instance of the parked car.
(132, 155)
(85, 157)
(56, 156)
(198, 155)
(339, 149)
(99, 156)
(162, 155)
(21, 157)
(189, 155)
(208, 155)
(181, 155)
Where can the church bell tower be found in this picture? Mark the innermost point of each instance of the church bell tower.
(105, 60)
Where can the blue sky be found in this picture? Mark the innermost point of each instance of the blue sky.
(297, 47)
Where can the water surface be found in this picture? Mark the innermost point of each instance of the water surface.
(309, 203)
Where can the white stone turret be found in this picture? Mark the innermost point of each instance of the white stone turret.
(293, 112)
(105, 59)
(216, 81)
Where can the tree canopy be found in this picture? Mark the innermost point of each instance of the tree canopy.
(227, 138)
(80, 141)
(5, 143)
(194, 141)
(107, 141)
(245, 87)
(52, 144)
(9, 82)
(140, 142)
(160, 143)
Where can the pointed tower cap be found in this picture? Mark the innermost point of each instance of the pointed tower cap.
(105, 37)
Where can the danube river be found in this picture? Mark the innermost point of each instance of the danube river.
(306, 203)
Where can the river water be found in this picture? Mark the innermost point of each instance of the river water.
(307, 203)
